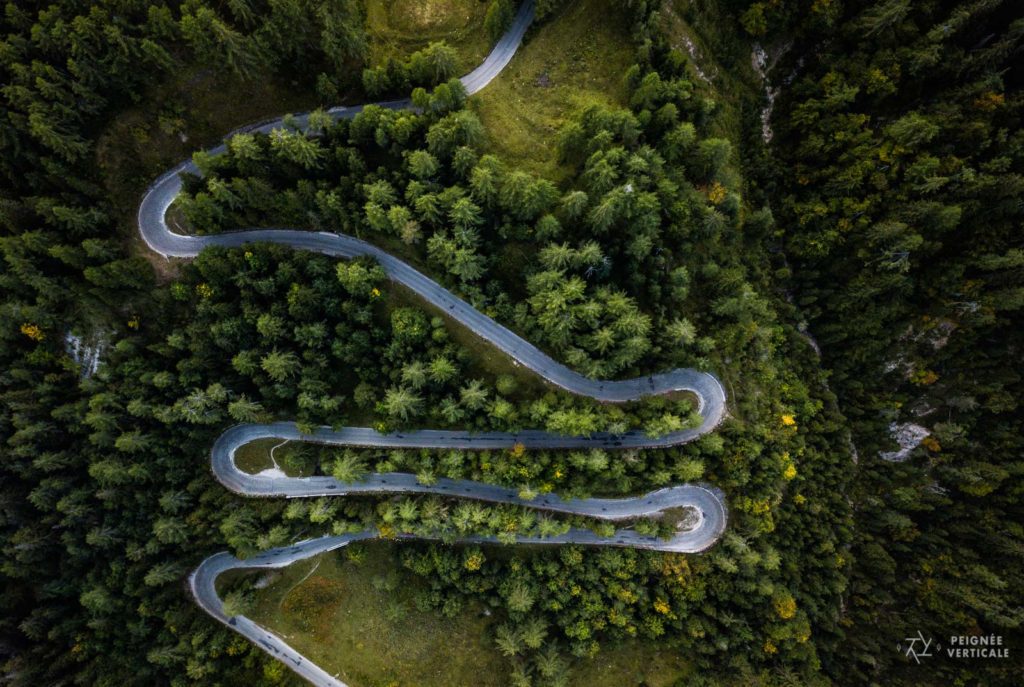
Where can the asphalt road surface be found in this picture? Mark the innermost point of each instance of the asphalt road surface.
(707, 503)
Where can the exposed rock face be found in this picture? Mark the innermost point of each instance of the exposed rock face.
(86, 355)
(802, 328)
(695, 59)
(266, 580)
(763, 61)
(759, 61)
(909, 436)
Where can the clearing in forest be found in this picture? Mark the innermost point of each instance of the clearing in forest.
(355, 619)
(578, 57)
(398, 28)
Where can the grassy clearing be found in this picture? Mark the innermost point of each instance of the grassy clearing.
(254, 457)
(578, 57)
(681, 519)
(398, 28)
(291, 458)
(630, 664)
(359, 621)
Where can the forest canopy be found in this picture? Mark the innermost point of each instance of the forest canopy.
(879, 227)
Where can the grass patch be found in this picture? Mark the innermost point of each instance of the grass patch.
(398, 28)
(255, 456)
(683, 518)
(292, 458)
(579, 57)
(630, 664)
(359, 620)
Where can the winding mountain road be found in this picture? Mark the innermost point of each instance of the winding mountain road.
(707, 503)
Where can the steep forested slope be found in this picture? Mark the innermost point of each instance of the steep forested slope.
(898, 186)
